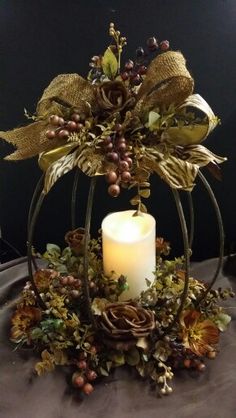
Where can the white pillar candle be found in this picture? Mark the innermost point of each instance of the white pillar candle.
(129, 248)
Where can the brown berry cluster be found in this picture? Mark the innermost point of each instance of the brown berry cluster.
(115, 147)
(61, 128)
(84, 376)
(70, 286)
(135, 70)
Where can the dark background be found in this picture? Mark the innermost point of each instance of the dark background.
(43, 38)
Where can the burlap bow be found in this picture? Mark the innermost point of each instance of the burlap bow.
(167, 82)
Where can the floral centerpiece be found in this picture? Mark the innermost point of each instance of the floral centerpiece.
(125, 123)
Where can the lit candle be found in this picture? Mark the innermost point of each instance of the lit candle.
(129, 248)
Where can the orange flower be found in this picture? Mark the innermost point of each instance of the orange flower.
(198, 335)
(22, 320)
(43, 278)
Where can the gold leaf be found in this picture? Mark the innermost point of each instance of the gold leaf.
(201, 156)
(145, 193)
(109, 63)
(90, 161)
(58, 169)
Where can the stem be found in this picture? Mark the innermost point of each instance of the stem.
(73, 199)
(186, 258)
(86, 248)
(32, 224)
(31, 209)
(221, 235)
(191, 211)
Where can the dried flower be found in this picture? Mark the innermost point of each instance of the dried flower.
(199, 335)
(124, 321)
(22, 320)
(75, 240)
(162, 246)
(43, 278)
(112, 95)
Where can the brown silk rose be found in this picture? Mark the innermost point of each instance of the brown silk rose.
(75, 240)
(126, 321)
(112, 95)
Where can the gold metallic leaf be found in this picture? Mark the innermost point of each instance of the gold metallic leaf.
(201, 156)
(49, 157)
(90, 161)
(58, 169)
(195, 133)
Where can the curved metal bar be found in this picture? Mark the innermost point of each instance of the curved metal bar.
(73, 199)
(37, 190)
(86, 255)
(184, 229)
(191, 213)
(221, 235)
(32, 224)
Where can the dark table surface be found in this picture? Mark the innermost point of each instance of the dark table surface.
(211, 394)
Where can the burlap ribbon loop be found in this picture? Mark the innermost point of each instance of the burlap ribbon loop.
(167, 81)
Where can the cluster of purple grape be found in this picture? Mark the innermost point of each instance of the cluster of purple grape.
(134, 71)
(115, 147)
(61, 128)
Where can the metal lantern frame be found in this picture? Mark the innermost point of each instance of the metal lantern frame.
(187, 236)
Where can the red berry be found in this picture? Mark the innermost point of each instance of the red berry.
(82, 365)
(109, 147)
(114, 190)
(78, 380)
(91, 375)
(201, 367)
(122, 147)
(75, 117)
(129, 65)
(187, 363)
(50, 134)
(61, 121)
(71, 125)
(140, 52)
(77, 283)
(64, 281)
(164, 45)
(142, 70)
(79, 126)
(63, 134)
(113, 156)
(111, 177)
(88, 388)
(126, 176)
(125, 76)
(107, 140)
(129, 161)
(118, 127)
(70, 280)
(136, 80)
(152, 44)
(124, 166)
(54, 120)
(93, 350)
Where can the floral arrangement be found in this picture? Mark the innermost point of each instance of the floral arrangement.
(134, 333)
(124, 123)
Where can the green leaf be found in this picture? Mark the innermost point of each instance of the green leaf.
(222, 321)
(118, 358)
(143, 208)
(152, 119)
(103, 372)
(132, 357)
(145, 193)
(53, 248)
(109, 63)
(135, 200)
